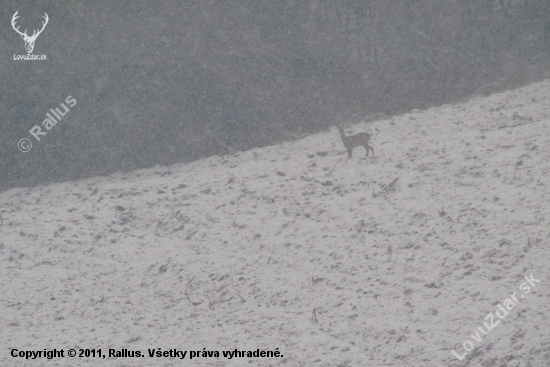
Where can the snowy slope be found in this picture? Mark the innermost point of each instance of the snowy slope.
(236, 252)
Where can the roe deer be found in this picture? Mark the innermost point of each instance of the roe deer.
(354, 141)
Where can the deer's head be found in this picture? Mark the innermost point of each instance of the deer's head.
(29, 40)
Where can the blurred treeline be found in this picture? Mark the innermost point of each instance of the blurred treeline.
(160, 82)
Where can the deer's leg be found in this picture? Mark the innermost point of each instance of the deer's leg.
(366, 146)
(349, 153)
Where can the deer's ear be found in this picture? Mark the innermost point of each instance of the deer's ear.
(23, 36)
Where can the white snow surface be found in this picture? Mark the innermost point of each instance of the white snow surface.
(236, 252)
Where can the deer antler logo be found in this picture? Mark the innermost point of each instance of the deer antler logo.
(29, 40)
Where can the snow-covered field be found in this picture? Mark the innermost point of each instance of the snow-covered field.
(236, 252)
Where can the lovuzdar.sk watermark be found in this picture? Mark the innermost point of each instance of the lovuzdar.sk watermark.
(36, 131)
(29, 40)
(501, 312)
(30, 57)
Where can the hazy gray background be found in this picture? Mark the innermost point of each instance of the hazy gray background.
(173, 81)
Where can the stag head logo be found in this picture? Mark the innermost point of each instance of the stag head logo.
(29, 40)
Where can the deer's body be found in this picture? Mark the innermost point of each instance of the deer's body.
(353, 141)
